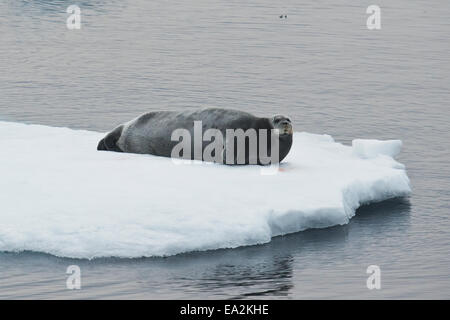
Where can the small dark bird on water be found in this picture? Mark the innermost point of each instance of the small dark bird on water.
(285, 16)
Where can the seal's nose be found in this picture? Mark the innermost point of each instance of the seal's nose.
(287, 127)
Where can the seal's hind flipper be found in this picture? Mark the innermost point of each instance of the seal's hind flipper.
(101, 145)
(109, 143)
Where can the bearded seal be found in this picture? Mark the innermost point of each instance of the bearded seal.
(151, 133)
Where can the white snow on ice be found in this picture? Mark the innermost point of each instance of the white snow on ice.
(59, 195)
(374, 148)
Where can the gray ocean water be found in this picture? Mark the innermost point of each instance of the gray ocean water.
(320, 65)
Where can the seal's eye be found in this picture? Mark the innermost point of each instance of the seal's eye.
(276, 120)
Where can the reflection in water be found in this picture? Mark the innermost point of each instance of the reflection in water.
(244, 273)
(385, 211)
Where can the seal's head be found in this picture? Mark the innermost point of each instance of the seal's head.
(283, 124)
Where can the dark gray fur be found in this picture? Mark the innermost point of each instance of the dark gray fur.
(151, 132)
